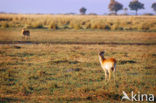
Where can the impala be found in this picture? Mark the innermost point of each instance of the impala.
(25, 33)
(108, 65)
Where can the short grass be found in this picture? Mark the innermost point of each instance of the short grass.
(32, 73)
(77, 36)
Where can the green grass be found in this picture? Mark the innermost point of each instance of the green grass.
(72, 73)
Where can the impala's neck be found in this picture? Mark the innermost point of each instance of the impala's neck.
(101, 58)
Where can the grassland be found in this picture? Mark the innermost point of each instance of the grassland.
(77, 37)
(79, 22)
(55, 72)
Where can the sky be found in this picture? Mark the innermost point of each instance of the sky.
(66, 6)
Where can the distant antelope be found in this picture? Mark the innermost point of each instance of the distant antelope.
(108, 65)
(25, 33)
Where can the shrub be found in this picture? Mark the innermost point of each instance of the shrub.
(94, 24)
(5, 25)
(153, 28)
(53, 26)
(65, 26)
(107, 27)
(87, 25)
(37, 25)
(77, 26)
(28, 26)
(114, 27)
(143, 27)
(127, 28)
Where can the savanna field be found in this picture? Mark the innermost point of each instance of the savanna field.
(59, 62)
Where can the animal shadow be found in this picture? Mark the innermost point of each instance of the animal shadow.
(65, 61)
(127, 61)
(8, 100)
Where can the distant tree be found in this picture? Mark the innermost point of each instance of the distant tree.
(115, 6)
(136, 5)
(154, 6)
(83, 10)
(125, 9)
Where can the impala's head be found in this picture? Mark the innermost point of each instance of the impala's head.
(102, 53)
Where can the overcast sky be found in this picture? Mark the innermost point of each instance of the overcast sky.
(65, 6)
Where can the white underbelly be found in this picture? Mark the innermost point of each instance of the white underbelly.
(108, 66)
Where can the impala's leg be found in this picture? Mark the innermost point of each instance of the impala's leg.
(114, 72)
(27, 37)
(109, 74)
(114, 76)
(105, 74)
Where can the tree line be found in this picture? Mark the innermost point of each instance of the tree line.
(115, 6)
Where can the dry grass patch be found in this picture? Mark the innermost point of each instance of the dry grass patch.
(117, 23)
